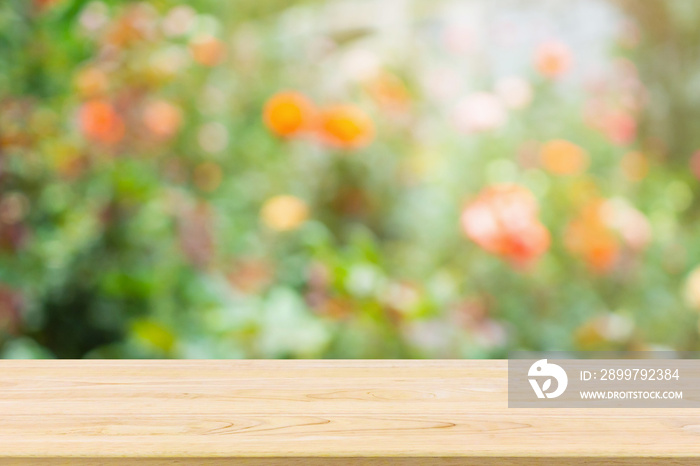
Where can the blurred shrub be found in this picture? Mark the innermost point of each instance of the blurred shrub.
(342, 179)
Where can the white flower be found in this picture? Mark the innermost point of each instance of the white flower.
(179, 21)
(442, 83)
(514, 92)
(94, 16)
(478, 112)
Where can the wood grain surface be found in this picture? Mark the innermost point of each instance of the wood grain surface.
(332, 412)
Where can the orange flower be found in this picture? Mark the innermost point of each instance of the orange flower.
(284, 213)
(552, 59)
(207, 51)
(589, 238)
(389, 92)
(289, 113)
(503, 221)
(563, 157)
(346, 126)
(101, 122)
(602, 228)
(162, 118)
(132, 25)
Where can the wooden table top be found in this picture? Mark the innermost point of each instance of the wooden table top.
(312, 412)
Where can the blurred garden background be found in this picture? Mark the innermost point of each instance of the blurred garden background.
(348, 178)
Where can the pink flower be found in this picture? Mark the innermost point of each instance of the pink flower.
(632, 226)
(503, 221)
(621, 128)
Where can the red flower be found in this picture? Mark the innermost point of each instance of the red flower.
(162, 118)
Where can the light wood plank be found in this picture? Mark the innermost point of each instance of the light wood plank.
(273, 412)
